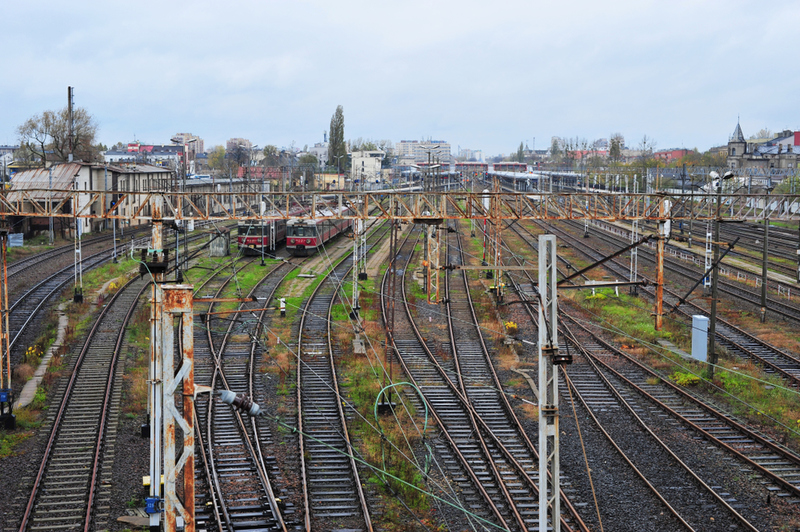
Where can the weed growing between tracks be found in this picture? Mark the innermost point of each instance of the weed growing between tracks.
(137, 365)
(760, 395)
(363, 386)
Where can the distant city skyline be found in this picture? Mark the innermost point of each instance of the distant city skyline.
(484, 79)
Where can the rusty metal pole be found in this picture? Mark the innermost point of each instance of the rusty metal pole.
(178, 389)
(659, 279)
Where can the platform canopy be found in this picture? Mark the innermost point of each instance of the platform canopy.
(423, 207)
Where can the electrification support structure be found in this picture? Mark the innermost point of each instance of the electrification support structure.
(178, 406)
(549, 485)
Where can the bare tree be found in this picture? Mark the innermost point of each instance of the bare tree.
(48, 134)
(37, 134)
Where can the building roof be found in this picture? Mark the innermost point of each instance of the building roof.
(39, 178)
(738, 136)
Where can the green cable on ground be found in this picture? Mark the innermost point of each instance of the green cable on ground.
(475, 516)
(426, 468)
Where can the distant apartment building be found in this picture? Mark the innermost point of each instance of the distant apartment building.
(466, 154)
(320, 151)
(8, 150)
(366, 166)
(413, 151)
(164, 155)
(194, 143)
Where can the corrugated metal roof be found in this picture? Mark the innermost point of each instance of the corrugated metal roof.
(39, 178)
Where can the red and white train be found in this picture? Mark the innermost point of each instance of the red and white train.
(305, 237)
(255, 236)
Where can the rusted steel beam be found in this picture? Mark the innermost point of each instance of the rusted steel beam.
(408, 206)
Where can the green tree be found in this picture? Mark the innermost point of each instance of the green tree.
(336, 143)
(84, 130)
(216, 158)
(521, 153)
(36, 134)
(272, 155)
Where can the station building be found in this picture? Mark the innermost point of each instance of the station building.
(779, 152)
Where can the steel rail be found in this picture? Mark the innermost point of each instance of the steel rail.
(496, 381)
(340, 412)
(65, 401)
(580, 348)
(253, 345)
(729, 287)
(255, 448)
(792, 379)
(464, 462)
(212, 473)
(724, 418)
(721, 416)
(593, 359)
(219, 372)
(101, 434)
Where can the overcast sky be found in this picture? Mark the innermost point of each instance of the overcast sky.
(480, 75)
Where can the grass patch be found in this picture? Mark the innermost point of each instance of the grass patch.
(138, 363)
(10, 440)
(363, 387)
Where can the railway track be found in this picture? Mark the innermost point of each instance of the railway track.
(332, 488)
(621, 417)
(66, 483)
(238, 493)
(758, 452)
(27, 307)
(735, 340)
(492, 468)
(732, 289)
(480, 384)
(782, 257)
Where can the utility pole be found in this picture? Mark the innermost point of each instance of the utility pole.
(712, 326)
(7, 418)
(663, 234)
(764, 277)
(70, 124)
